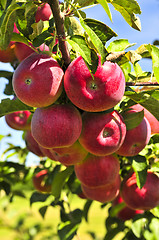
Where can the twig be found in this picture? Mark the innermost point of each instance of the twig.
(115, 55)
(59, 24)
(142, 84)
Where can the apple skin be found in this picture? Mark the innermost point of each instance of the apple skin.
(8, 55)
(136, 139)
(43, 12)
(37, 81)
(70, 155)
(19, 120)
(95, 171)
(154, 123)
(39, 184)
(58, 125)
(141, 199)
(32, 145)
(102, 133)
(98, 94)
(125, 213)
(104, 193)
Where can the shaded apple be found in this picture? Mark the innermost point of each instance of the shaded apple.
(19, 120)
(104, 193)
(70, 155)
(102, 133)
(39, 182)
(8, 55)
(95, 171)
(43, 12)
(154, 123)
(32, 145)
(136, 138)
(37, 81)
(96, 94)
(142, 199)
(58, 125)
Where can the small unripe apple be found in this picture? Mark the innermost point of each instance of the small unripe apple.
(39, 182)
(19, 120)
(102, 133)
(43, 12)
(95, 171)
(58, 125)
(145, 198)
(37, 81)
(96, 94)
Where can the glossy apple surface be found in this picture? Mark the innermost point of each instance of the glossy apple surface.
(98, 94)
(43, 12)
(104, 193)
(56, 126)
(70, 155)
(37, 81)
(19, 120)
(136, 198)
(39, 182)
(136, 139)
(95, 171)
(32, 145)
(102, 133)
(154, 123)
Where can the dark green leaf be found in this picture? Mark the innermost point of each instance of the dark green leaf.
(86, 209)
(113, 227)
(43, 210)
(38, 197)
(9, 106)
(5, 186)
(59, 181)
(67, 230)
(133, 119)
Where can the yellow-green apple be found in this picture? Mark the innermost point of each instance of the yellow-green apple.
(102, 133)
(154, 123)
(104, 193)
(43, 12)
(96, 94)
(125, 213)
(40, 182)
(32, 145)
(58, 125)
(145, 198)
(136, 138)
(70, 155)
(19, 120)
(37, 81)
(95, 171)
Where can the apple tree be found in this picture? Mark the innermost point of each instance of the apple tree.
(87, 110)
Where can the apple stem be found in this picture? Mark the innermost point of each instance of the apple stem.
(59, 24)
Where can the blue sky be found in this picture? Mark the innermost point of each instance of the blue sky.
(150, 32)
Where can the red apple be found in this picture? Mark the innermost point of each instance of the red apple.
(102, 133)
(19, 120)
(95, 171)
(39, 182)
(43, 12)
(37, 81)
(125, 213)
(56, 126)
(70, 155)
(136, 198)
(136, 139)
(32, 145)
(154, 123)
(98, 94)
(104, 193)
(8, 55)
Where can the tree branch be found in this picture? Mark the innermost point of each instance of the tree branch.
(142, 84)
(59, 23)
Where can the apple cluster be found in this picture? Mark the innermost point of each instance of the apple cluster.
(75, 123)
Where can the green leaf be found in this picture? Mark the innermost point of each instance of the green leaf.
(19, 38)
(138, 227)
(73, 26)
(38, 197)
(119, 45)
(152, 232)
(59, 181)
(6, 74)
(43, 210)
(67, 230)
(128, 9)
(86, 209)
(3, 3)
(139, 165)
(8, 106)
(95, 40)
(133, 120)
(106, 8)
(148, 99)
(154, 51)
